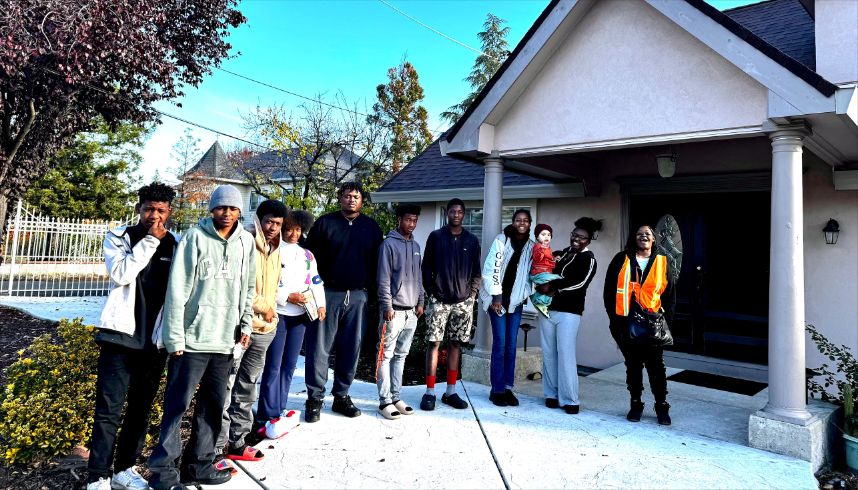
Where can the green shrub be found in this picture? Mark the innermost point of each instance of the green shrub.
(838, 381)
(47, 406)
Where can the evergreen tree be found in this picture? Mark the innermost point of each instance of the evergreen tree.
(495, 48)
(93, 178)
(398, 109)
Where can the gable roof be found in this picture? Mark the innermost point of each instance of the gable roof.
(214, 164)
(785, 24)
(760, 17)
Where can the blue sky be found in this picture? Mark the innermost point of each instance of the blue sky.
(329, 46)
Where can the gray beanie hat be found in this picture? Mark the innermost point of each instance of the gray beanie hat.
(225, 195)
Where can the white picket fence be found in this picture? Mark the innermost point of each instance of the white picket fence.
(45, 256)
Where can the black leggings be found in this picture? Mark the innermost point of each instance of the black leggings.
(637, 358)
(653, 359)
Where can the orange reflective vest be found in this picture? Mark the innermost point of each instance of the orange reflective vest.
(649, 293)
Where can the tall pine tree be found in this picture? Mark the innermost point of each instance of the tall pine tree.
(398, 109)
(495, 48)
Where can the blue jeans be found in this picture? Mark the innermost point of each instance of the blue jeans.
(504, 341)
(280, 366)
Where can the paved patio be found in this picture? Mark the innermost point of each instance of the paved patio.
(529, 446)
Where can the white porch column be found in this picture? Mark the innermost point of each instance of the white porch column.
(492, 208)
(787, 388)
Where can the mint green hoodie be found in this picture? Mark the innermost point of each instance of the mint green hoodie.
(210, 291)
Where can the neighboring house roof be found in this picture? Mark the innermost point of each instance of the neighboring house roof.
(432, 175)
(750, 24)
(785, 24)
(214, 164)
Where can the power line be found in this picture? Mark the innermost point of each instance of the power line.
(333, 106)
(311, 99)
(436, 31)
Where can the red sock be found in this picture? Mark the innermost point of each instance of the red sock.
(451, 377)
(430, 381)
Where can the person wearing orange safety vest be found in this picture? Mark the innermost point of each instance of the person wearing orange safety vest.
(642, 273)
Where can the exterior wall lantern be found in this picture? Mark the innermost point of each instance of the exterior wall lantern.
(666, 164)
(831, 231)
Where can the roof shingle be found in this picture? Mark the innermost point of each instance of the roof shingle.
(432, 170)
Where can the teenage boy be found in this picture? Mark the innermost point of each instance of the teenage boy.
(209, 306)
(451, 277)
(138, 262)
(400, 302)
(237, 427)
(345, 244)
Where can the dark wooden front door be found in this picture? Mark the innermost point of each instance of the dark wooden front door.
(722, 292)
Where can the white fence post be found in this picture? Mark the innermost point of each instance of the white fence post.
(14, 247)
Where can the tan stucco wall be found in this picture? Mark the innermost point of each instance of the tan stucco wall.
(626, 71)
(831, 271)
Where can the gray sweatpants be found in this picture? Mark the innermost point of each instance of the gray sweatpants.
(394, 343)
(241, 390)
(559, 336)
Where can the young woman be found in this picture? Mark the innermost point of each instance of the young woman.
(644, 274)
(576, 265)
(505, 288)
(298, 281)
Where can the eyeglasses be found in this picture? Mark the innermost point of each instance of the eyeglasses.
(580, 238)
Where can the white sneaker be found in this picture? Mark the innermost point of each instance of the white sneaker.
(101, 484)
(128, 480)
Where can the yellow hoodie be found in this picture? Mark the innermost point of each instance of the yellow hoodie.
(267, 278)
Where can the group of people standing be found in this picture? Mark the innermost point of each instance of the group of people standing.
(225, 306)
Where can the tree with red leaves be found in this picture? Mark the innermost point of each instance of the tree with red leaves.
(63, 63)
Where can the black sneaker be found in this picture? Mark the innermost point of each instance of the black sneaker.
(511, 400)
(454, 401)
(661, 412)
(552, 403)
(312, 410)
(343, 405)
(635, 411)
(498, 399)
(427, 402)
(571, 409)
(216, 477)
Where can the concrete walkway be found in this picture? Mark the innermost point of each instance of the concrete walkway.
(529, 446)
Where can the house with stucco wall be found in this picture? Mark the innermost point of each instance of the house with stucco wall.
(741, 124)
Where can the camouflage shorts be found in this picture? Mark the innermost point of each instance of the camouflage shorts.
(456, 320)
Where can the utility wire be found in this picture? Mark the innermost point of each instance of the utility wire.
(436, 31)
(292, 93)
(165, 114)
(311, 99)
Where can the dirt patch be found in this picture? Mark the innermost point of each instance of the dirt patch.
(17, 331)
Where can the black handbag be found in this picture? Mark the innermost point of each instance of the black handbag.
(645, 328)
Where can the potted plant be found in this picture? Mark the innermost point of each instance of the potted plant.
(839, 385)
(850, 429)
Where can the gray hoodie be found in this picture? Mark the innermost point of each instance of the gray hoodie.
(210, 291)
(399, 277)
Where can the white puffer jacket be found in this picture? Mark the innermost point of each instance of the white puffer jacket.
(124, 264)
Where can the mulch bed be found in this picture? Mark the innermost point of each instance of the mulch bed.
(17, 331)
